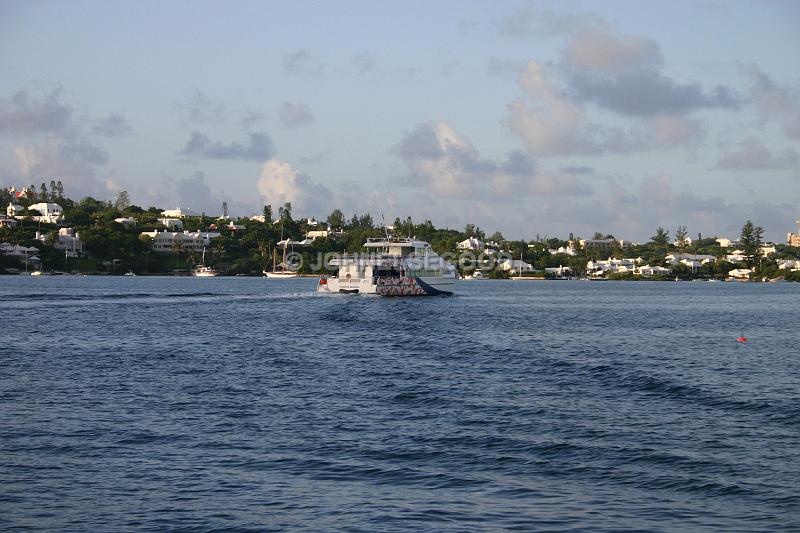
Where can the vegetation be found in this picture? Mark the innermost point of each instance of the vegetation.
(111, 247)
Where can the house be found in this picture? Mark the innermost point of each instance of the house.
(321, 233)
(703, 259)
(17, 250)
(126, 221)
(49, 213)
(178, 213)
(768, 249)
(66, 240)
(686, 241)
(14, 210)
(171, 223)
(515, 265)
(789, 264)
(736, 256)
(793, 239)
(235, 227)
(648, 271)
(26, 193)
(472, 243)
(561, 250)
(604, 244)
(8, 222)
(740, 273)
(559, 271)
(258, 218)
(725, 243)
(172, 241)
(598, 269)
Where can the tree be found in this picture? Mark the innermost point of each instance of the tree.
(469, 230)
(681, 235)
(661, 237)
(53, 190)
(751, 243)
(497, 237)
(268, 214)
(287, 212)
(336, 219)
(43, 192)
(122, 201)
(60, 189)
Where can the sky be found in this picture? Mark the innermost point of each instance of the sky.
(531, 118)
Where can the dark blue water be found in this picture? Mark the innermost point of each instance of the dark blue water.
(157, 404)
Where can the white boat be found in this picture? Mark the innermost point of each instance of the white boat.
(391, 267)
(129, 273)
(280, 274)
(475, 275)
(36, 273)
(204, 271)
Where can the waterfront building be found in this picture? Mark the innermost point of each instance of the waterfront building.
(171, 241)
(65, 240)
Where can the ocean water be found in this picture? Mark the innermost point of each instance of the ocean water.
(198, 404)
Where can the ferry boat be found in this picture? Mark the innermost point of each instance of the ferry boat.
(391, 267)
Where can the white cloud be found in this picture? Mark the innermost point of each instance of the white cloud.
(751, 154)
(280, 183)
(595, 48)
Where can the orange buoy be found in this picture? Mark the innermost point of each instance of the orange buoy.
(741, 339)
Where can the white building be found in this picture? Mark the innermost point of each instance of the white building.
(515, 265)
(14, 210)
(704, 259)
(740, 273)
(66, 240)
(789, 264)
(649, 271)
(17, 250)
(561, 250)
(793, 239)
(598, 269)
(559, 271)
(50, 213)
(126, 221)
(178, 212)
(725, 243)
(171, 241)
(472, 243)
(8, 222)
(171, 223)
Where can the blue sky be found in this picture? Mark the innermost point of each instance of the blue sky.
(526, 117)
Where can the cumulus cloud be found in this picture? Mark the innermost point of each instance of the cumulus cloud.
(751, 154)
(551, 122)
(194, 194)
(301, 63)
(447, 164)
(199, 108)
(280, 183)
(599, 49)
(258, 147)
(647, 92)
(294, 115)
(774, 101)
(75, 162)
(27, 114)
(622, 73)
(114, 125)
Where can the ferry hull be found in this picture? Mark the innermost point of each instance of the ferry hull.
(388, 287)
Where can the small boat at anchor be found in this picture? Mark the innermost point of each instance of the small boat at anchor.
(203, 271)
